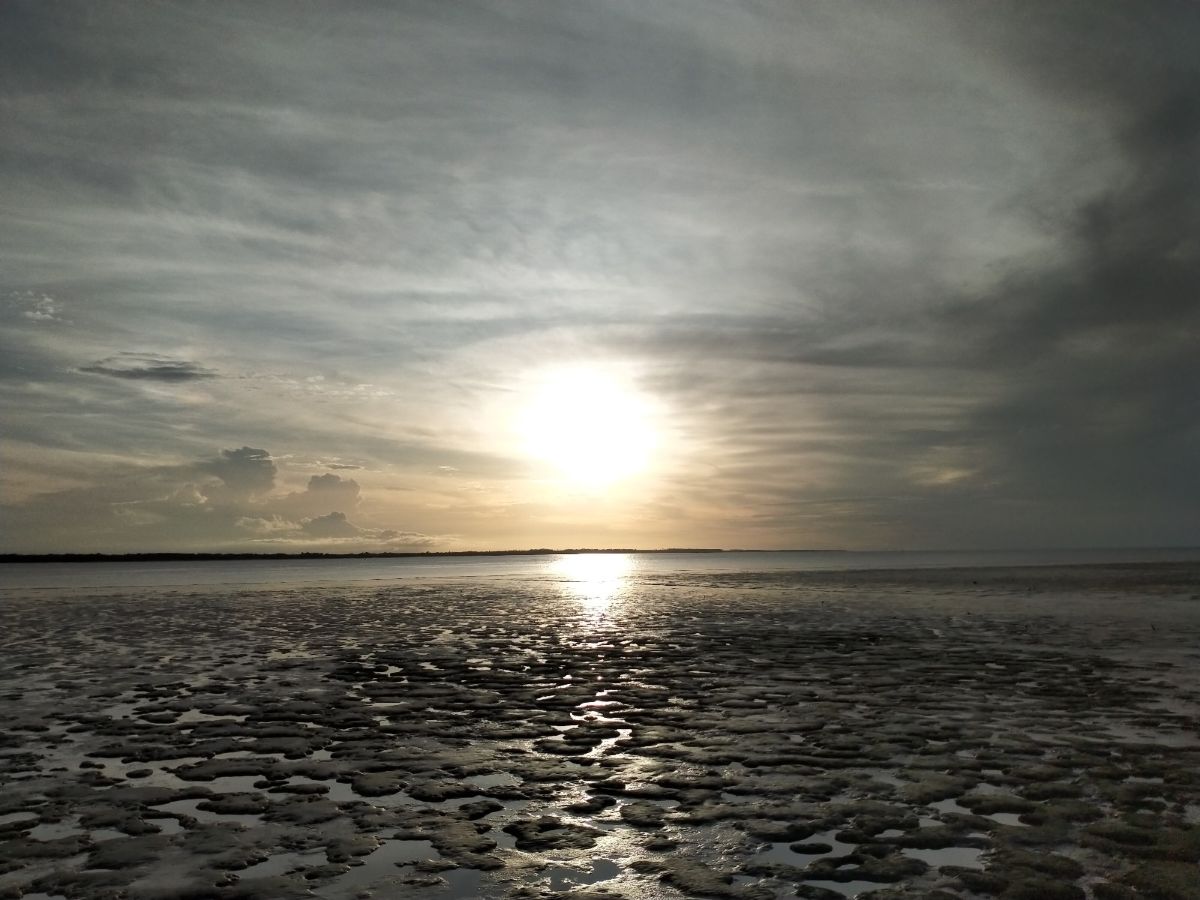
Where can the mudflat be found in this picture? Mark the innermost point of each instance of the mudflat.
(1020, 733)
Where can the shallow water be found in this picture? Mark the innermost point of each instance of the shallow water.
(474, 736)
(565, 879)
(553, 568)
(967, 857)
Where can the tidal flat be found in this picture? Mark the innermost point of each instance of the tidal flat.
(948, 733)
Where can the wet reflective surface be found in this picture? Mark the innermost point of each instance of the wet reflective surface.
(602, 727)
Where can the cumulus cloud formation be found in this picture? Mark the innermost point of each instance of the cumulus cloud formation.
(244, 472)
(323, 494)
(333, 525)
(148, 367)
(229, 502)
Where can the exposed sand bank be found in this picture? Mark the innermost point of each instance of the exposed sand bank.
(1018, 733)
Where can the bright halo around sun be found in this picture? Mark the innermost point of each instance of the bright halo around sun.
(591, 427)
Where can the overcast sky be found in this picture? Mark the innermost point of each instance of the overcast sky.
(884, 275)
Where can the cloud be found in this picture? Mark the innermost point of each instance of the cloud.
(148, 367)
(906, 276)
(333, 525)
(269, 525)
(1097, 416)
(244, 473)
(36, 306)
(323, 494)
(222, 503)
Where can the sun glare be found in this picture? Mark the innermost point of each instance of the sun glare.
(593, 579)
(589, 426)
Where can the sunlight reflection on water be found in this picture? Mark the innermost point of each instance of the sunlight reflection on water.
(595, 580)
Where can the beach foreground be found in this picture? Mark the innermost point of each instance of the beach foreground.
(1023, 733)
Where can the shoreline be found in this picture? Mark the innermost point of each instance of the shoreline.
(434, 554)
(237, 556)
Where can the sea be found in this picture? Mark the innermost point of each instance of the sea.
(276, 573)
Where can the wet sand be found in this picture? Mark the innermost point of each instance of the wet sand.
(1021, 733)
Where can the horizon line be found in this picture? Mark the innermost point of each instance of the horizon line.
(235, 555)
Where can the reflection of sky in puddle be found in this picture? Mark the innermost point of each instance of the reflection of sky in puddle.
(563, 878)
(781, 852)
(848, 888)
(950, 805)
(283, 863)
(18, 817)
(494, 779)
(383, 871)
(967, 857)
(1013, 819)
(192, 808)
(593, 579)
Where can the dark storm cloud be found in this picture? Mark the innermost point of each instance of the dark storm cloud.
(1056, 404)
(148, 367)
(1103, 412)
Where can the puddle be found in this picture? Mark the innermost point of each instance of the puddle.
(782, 852)
(563, 878)
(848, 888)
(496, 779)
(15, 817)
(194, 715)
(609, 744)
(968, 857)
(298, 653)
(165, 825)
(1007, 819)
(381, 868)
(338, 791)
(727, 797)
(52, 831)
(101, 835)
(662, 803)
(950, 806)
(462, 884)
(190, 808)
(503, 839)
(230, 784)
(282, 863)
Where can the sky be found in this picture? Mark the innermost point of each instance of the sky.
(437, 275)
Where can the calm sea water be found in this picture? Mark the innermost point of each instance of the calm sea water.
(284, 573)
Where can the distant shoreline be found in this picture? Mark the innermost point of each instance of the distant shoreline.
(542, 551)
(227, 557)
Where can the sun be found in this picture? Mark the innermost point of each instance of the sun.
(590, 426)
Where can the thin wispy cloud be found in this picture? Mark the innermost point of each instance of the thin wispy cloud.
(148, 367)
